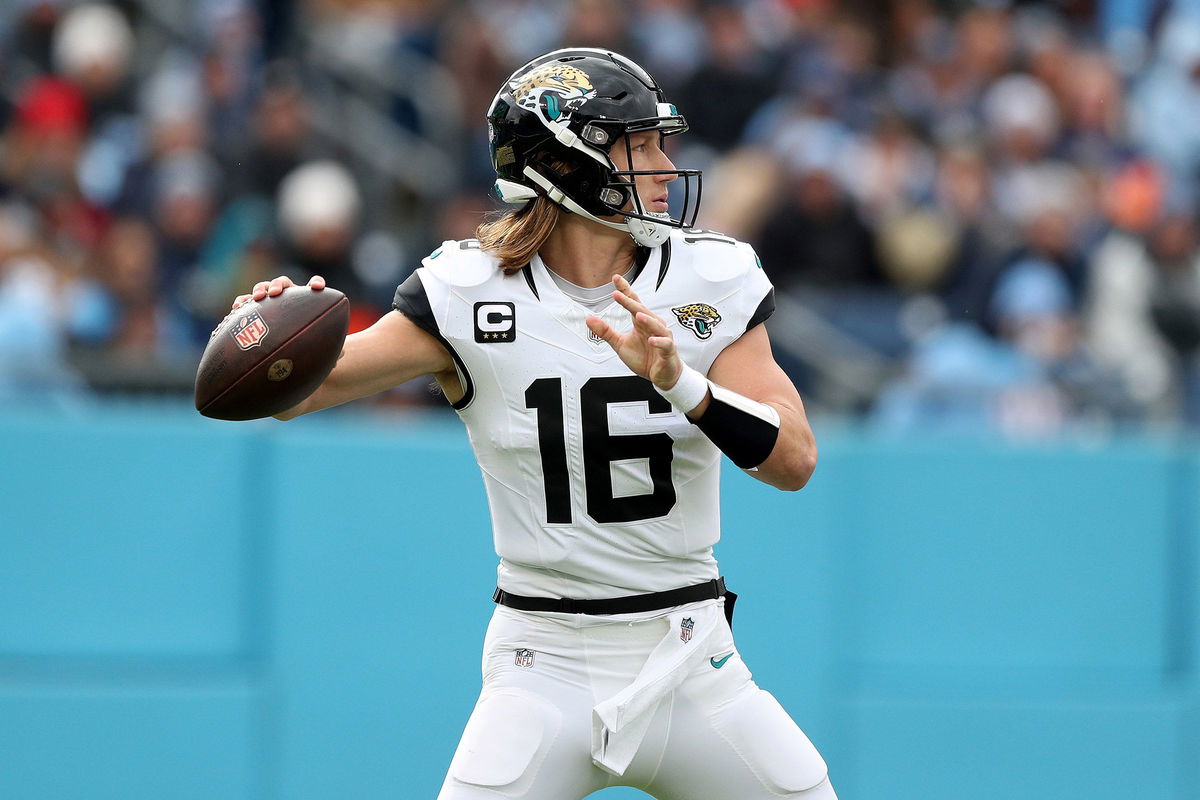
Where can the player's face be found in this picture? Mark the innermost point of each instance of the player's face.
(647, 153)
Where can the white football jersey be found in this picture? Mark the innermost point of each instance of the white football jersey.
(597, 486)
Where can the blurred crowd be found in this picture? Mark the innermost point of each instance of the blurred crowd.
(977, 215)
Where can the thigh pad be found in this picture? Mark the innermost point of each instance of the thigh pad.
(770, 743)
(506, 738)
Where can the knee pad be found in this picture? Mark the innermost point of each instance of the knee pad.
(506, 739)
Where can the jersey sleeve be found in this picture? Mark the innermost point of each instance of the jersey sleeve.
(412, 301)
(432, 299)
(759, 291)
(764, 310)
(727, 274)
(425, 296)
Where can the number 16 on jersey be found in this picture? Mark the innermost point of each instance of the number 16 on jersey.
(600, 448)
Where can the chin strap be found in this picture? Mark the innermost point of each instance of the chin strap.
(647, 233)
(644, 232)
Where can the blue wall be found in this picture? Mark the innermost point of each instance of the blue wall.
(191, 609)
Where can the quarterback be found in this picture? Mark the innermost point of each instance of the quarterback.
(603, 355)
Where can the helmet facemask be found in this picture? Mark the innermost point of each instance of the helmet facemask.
(620, 190)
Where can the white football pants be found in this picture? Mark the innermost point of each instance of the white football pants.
(562, 692)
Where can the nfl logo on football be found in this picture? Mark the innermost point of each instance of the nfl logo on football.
(249, 331)
(524, 658)
(685, 629)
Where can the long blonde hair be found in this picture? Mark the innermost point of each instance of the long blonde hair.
(515, 236)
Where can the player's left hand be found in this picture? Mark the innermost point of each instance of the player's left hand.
(648, 349)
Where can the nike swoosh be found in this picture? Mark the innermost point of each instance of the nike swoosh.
(718, 663)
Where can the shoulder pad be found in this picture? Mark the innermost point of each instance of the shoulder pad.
(714, 256)
(461, 263)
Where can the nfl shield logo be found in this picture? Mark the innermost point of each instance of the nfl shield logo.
(685, 629)
(249, 331)
(524, 658)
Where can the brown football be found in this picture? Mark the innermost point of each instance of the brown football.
(268, 355)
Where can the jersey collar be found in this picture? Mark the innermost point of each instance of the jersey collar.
(539, 281)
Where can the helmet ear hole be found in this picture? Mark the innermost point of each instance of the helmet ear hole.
(556, 165)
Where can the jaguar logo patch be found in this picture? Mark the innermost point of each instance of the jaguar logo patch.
(553, 90)
(699, 318)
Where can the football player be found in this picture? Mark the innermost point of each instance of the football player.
(603, 354)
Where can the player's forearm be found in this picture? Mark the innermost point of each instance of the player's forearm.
(351, 379)
(319, 399)
(337, 388)
(771, 440)
(314, 402)
(389, 353)
(794, 457)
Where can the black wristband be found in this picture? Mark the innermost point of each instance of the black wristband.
(743, 429)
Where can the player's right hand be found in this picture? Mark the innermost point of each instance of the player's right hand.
(649, 349)
(264, 289)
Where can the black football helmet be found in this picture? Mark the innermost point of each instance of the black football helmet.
(553, 124)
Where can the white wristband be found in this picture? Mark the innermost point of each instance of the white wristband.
(688, 391)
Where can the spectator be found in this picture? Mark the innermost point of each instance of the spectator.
(144, 322)
(319, 208)
(174, 121)
(736, 79)
(41, 163)
(914, 165)
(1174, 247)
(1049, 202)
(41, 306)
(31, 37)
(282, 137)
(1163, 98)
(93, 49)
(892, 169)
(670, 36)
(1122, 279)
(816, 237)
(963, 194)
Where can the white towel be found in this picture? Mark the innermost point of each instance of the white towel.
(620, 723)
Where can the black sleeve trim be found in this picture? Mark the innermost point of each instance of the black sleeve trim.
(765, 309)
(412, 302)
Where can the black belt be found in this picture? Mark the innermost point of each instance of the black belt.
(629, 604)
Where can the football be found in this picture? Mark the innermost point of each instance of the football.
(270, 354)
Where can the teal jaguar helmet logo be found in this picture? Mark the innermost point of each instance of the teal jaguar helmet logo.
(554, 87)
(699, 318)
